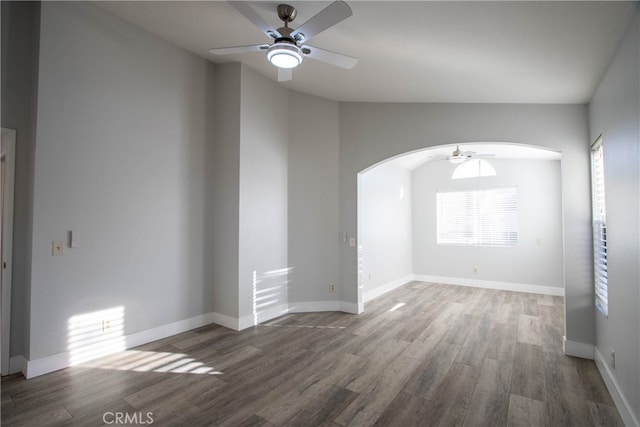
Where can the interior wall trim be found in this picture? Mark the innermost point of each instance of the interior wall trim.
(622, 403)
(488, 284)
(388, 287)
(577, 349)
(44, 365)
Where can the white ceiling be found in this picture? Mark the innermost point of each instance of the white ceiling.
(418, 51)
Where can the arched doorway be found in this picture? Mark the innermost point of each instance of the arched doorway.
(398, 235)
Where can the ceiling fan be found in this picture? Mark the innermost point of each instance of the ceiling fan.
(289, 46)
(459, 156)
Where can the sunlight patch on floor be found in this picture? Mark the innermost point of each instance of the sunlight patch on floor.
(303, 326)
(153, 361)
(397, 306)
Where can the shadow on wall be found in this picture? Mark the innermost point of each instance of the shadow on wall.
(270, 293)
(96, 340)
(95, 334)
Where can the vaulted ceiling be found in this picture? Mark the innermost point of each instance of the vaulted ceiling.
(418, 51)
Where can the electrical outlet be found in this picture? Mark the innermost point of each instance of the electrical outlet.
(106, 326)
(612, 359)
(475, 270)
(332, 287)
(57, 248)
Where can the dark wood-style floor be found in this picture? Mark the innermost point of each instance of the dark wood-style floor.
(424, 354)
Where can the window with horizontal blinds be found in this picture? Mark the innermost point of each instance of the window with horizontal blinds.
(599, 228)
(478, 217)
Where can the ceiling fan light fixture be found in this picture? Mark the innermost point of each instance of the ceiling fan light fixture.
(284, 55)
(457, 156)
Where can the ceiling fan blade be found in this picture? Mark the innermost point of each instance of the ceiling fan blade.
(248, 12)
(285, 74)
(238, 49)
(483, 156)
(328, 17)
(329, 57)
(437, 159)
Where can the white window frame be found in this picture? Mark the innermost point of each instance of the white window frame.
(599, 223)
(468, 218)
(474, 168)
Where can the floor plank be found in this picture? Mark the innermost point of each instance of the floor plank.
(528, 377)
(404, 411)
(524, 411)
(529, 329)
(450, 401)
(566, 402)
(490, 401)
(604, 415)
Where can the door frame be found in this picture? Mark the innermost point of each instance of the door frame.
(8, 181)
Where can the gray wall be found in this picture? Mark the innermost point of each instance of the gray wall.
(249, 197)
(314, 146)
(370, 133)
(385, 227)
(263, 264)
(123, 126)
(224, 172)
(20, 40)
(539, 214)
(614, 112)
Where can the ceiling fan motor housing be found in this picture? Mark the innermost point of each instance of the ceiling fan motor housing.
(287, 13)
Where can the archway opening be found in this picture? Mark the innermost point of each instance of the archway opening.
(400, 234)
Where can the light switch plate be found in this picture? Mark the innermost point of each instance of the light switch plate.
(74, 239)
(57, 248)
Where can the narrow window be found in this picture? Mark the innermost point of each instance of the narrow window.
(599, 227)
(478, 217)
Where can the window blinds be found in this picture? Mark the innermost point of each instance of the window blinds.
(478, 217)
(599, 228)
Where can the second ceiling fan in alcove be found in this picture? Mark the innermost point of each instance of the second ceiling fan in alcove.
(289, 46)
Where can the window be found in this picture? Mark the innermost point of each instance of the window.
(599, 228)
(473, 168)
(478, 217)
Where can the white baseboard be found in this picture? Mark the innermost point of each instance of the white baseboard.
(313, 306)
(488, 284)
(149, 335)
(383, 289)
(280, 310)
(44, 365)
(226, 321)
(577, 349)
(349, 307)
(619, 398)
(262, 316)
